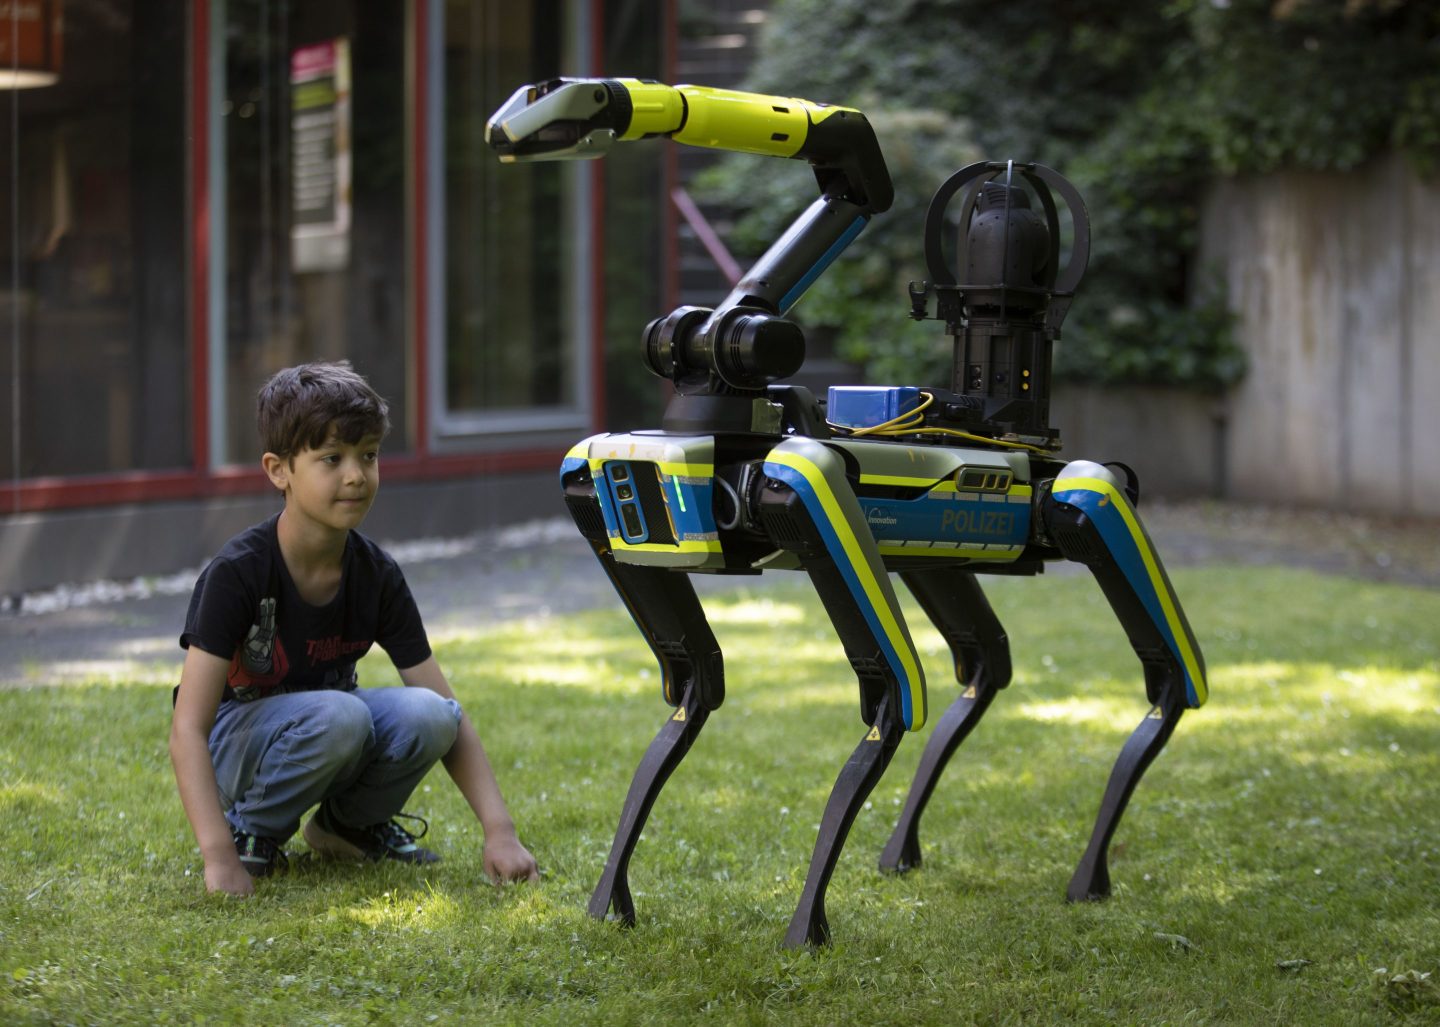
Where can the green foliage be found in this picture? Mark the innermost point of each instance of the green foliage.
(1286, 837)
(1140, 105)
(1156, 343)
(1417, 125)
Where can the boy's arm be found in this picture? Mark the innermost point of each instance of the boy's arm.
(504, 858)
(202, 683)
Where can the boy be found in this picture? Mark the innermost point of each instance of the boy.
(268, 717)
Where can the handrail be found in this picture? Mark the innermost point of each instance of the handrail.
(695, 218)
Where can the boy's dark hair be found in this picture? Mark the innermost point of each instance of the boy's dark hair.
(299, 407)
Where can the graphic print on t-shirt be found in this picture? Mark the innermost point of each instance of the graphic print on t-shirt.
(260, 663)
(245, 604)
(327, 650)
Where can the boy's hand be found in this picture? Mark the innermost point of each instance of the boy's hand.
(230, 879)
(505, 859)
(202, 682)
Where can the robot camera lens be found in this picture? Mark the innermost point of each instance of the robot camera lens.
(624, 492)
(619, 472)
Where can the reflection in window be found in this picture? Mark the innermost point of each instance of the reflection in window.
(518, 237)
(509, 340)
(313, 115)
(93, 373)
(634, 205)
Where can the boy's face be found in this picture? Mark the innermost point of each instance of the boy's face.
(332, 486)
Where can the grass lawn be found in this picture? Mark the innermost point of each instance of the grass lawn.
(1281, 852)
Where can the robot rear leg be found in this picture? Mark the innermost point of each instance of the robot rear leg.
(1092, 521)
(957, 607)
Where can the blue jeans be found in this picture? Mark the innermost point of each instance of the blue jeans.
(361, 752)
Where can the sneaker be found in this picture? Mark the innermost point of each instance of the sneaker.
(260, 856)
(387, 840)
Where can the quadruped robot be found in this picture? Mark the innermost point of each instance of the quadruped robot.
(935, 485)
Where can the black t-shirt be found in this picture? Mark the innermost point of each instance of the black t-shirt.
(245, 607)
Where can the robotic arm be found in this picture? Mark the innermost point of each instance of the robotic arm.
(720, 360)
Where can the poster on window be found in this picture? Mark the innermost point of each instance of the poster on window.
(320, 156)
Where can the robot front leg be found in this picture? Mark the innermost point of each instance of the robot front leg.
(1091, 880)
(807, 507)
(668, 613)
(1091, 520)
(955, 604)
(862, 771)
(669, 747)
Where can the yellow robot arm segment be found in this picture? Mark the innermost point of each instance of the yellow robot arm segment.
(723, 119)
(569, 119)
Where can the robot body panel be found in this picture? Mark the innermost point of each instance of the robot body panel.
(949, 503)
(945, 521)
(914, 465)
(656, 497)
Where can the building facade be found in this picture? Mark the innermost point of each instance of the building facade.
(199, 192)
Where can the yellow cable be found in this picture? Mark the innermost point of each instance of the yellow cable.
(973, 438)
(909, 423)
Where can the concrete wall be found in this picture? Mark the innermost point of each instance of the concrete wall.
(1336, 281)
(1174, 440)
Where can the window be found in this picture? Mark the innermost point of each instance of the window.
(94, 368)
(634, 217)
(519, 307)
(515, 326)
(315, 154)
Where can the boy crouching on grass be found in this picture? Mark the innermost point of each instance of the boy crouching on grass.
(269, 719)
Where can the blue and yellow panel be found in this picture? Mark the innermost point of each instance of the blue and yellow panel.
(818, 477)
(948, 522)
(963, 503)
(655, 496)
(1110, 511)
